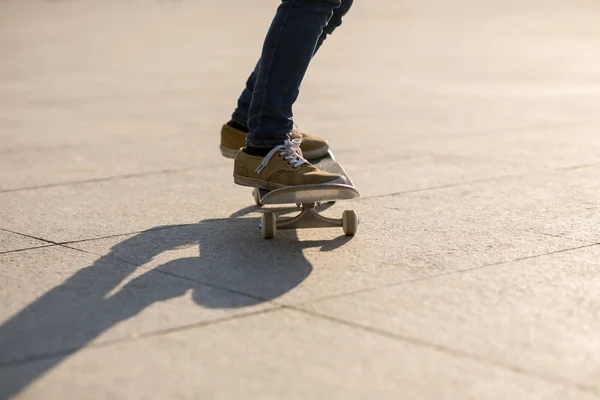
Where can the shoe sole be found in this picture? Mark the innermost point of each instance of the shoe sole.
(257, 183)
(227, 152)
(309, 155)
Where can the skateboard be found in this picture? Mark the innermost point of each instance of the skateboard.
(309, 199)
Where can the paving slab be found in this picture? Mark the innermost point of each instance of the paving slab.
(10, 242)
(282, 354)
(404, 167)
(540, 314)
(392, 171)
(532, 150)
(105, 161)
(97, 209)
(561, 203)
(56, 301)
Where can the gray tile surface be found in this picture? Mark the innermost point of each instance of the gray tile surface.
(539, 314)
(282, 354)
(97, 209)
(561, 203)
(99, 161)
(529, 150)
(470, 127)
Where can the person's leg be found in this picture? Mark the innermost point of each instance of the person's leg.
(271, 158)
(334, 22)
(287, 51)
(233, 133)
(240, 115)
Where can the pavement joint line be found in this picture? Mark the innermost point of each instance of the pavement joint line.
(107, 236)
(499, 177)
(176, 171)
(99, 180)
(132, 338)
(436, 276)
(551, 235)
(455, 352)
(28, 248)
(485, 132)
(65, 243)
(450, 136)
(35, 150)
(459, 134)
(119, 234)
(29, 236)
(51, 243)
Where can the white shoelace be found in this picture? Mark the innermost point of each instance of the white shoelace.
(290, 151)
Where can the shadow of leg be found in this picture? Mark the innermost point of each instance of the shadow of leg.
(235, 268)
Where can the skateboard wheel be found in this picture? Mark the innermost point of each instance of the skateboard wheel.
(350, 222)
(268, 225)
(256, 195)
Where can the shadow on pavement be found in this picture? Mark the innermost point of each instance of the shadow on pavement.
(234, 268)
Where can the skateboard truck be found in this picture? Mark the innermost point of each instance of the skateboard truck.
(309, 198)
(309, 217)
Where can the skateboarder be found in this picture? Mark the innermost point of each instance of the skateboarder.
(275, 151)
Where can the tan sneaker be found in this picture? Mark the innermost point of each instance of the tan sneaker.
(233, 139)
(283, 166)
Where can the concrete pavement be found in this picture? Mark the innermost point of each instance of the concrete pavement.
(131, 266)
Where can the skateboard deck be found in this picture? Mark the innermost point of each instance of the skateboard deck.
(309, 199)
(313, 193)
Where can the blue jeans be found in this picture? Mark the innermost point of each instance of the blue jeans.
(296, 33)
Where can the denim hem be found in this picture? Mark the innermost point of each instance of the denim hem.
(238, 118)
